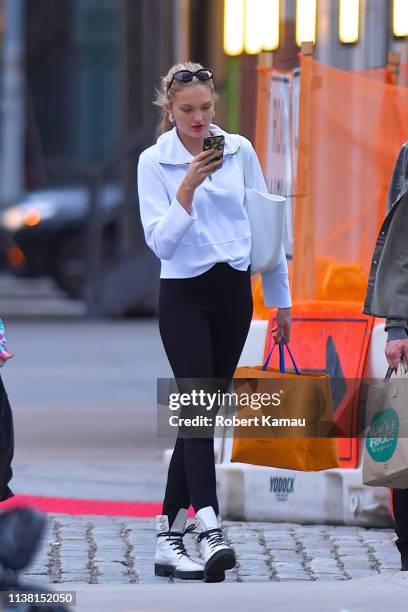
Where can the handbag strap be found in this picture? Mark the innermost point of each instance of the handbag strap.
(403, 365)
(268, 358)
(241, 162)
(282, 365)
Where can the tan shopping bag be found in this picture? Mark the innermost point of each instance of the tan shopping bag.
(305, 396)
(385, 461)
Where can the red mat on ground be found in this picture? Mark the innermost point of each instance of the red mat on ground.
(61, 505)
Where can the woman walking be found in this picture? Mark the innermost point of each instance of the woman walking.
(194, 219)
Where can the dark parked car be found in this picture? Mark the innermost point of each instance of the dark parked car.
(45, 233)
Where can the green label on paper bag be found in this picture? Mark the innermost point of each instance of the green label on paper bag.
(382, 435)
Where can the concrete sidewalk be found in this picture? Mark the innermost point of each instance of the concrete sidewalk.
(388, 592)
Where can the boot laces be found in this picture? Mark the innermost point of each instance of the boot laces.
(176, 538)
(214, 537)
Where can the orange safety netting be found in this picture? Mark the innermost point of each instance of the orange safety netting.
(351, 128)
(350, 133)
(383, 75)
(403, 75)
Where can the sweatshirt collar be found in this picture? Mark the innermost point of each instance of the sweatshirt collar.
(172, 150)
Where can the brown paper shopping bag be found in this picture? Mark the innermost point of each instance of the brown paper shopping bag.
(303, 397)
(385, 462)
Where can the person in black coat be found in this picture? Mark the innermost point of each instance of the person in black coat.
(387, 297)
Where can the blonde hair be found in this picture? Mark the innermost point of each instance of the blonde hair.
(165, 95)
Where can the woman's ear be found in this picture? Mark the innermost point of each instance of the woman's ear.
(167, 108)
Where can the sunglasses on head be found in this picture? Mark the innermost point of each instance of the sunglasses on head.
(186, 76)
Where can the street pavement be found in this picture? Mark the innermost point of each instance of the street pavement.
(108, 563)
(119, 550)
(84, 395)
(362, 595)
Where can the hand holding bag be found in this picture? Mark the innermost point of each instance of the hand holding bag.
(266, 213)
(385, 462)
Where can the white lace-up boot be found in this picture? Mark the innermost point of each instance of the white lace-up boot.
(216, 553)
(171, 556)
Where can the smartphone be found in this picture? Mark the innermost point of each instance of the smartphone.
(215, 142)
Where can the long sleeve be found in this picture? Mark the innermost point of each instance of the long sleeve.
(164, 222)
(397, 329)
(399, 182)
(275, 283)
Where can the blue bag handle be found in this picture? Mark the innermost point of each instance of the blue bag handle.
(282, 365)
(267, 360)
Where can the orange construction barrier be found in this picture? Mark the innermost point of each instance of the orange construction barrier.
(350, 133)
(334, 338)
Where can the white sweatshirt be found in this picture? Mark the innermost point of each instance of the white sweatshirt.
(217, 230)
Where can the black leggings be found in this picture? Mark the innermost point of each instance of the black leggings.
(204, 322)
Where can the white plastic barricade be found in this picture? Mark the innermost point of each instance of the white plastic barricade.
(250, 492)
(336, 496)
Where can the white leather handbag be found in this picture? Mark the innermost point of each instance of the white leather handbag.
(266, 214)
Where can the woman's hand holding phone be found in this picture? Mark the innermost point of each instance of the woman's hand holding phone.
(204, 164)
